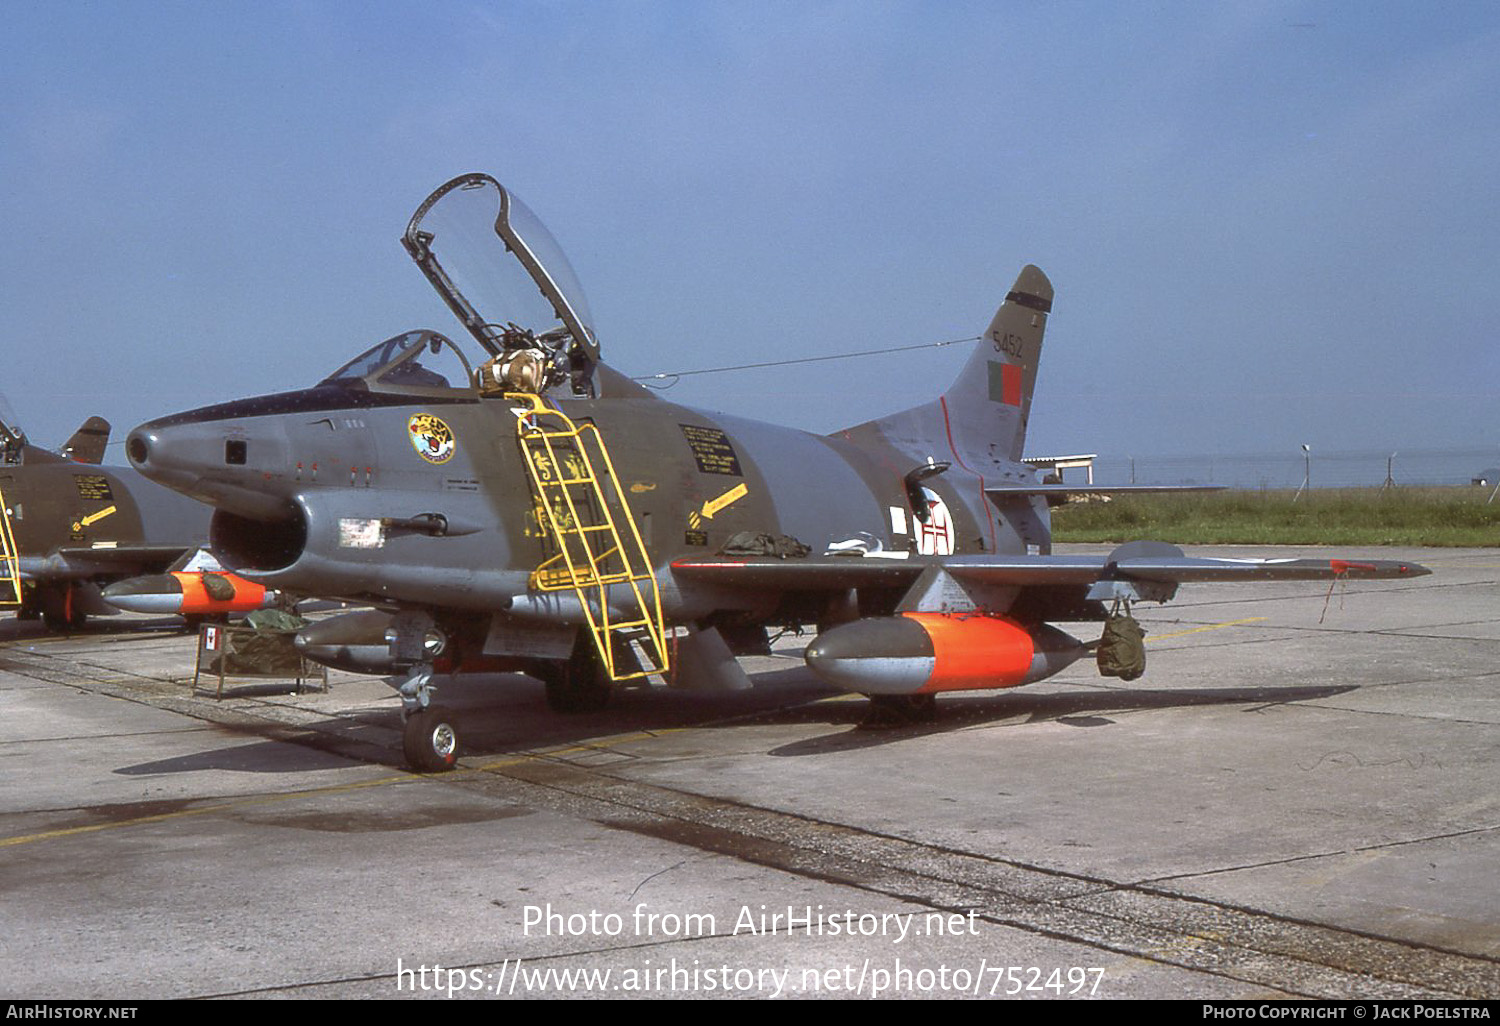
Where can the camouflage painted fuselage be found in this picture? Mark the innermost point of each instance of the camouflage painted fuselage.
(79, 525)
(317, 492)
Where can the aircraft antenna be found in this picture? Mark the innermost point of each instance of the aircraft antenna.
(647, 379)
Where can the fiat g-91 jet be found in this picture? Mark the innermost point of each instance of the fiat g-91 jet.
(537, 511)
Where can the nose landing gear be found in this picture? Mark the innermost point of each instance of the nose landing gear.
(430, 741)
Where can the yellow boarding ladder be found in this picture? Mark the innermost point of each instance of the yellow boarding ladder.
(579, 499)
(10, 574)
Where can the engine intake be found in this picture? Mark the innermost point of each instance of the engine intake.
(259, 545)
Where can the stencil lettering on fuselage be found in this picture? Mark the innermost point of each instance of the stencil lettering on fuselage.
(93, 488)
(712, 449)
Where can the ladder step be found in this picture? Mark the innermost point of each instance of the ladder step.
(593, 509)
(583, 576)
(10, 577)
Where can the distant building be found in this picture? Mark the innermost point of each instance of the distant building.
(1055, 465)
(1487, 478)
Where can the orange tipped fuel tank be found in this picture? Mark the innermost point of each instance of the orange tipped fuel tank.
(924, 653)
(190, 593)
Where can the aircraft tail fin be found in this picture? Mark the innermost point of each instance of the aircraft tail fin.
(981, 420)
(990, 403)
(89, 442)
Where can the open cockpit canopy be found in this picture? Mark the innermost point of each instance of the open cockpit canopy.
(499, 269)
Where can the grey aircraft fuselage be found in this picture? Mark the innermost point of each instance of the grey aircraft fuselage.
(318, 461)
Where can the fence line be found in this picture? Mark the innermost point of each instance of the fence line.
(1370, 468)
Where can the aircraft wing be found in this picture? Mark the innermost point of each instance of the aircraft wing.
(1150, 563)
(87, 560)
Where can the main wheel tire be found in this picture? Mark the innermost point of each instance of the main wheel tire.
(430, 741)
(56, 605)
(56, 621)
(567, 694)
(579, 685)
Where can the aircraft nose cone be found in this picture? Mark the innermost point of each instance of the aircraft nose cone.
(137, 448)
(162, 458)
(152, 452)
(237, 468)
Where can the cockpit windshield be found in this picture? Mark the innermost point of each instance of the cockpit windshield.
(418, 362)
(499, 269)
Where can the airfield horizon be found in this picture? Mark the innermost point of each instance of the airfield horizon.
(1445, 517)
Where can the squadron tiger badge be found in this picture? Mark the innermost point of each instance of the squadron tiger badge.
(432, 439)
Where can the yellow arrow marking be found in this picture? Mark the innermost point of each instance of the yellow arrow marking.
(729, 498)
(93, 518)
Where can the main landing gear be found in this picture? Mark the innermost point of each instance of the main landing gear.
(59, 606)
(578, 685)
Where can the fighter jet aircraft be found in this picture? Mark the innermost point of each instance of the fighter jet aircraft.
(69, 525)
(544, 513)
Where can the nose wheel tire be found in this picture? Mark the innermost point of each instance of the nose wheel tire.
(430, 741)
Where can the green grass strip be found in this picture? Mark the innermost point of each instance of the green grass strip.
(1447, 517)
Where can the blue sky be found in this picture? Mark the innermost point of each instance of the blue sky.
(1267, 223)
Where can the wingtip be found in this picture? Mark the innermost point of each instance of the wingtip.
(1378, 568)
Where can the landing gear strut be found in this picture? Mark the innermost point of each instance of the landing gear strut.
(429, 738)
(29, 609)
(579, 685)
